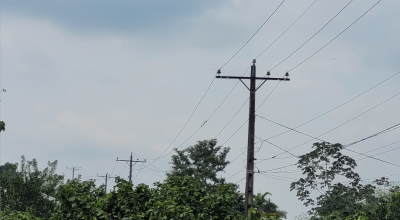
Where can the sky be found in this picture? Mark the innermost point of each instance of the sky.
(89, 81)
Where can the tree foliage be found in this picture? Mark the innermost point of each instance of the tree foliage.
(29, 187)
(127, 201)
(2, 126)
(349, 200)
(78, 200)
(202, 161)
(266, 206)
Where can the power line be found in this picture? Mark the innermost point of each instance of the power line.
(159, 170)
(325, 44)
(312, 35)
(335, 36)
(315, 118)
(394, 127)
(187, 121)
(73, 170)
(383, 161)
(131, 162)
(277, 146)
(333, 109)
(346, 147)
(233, 117)
(113, 168)
(286, 29)
(190, 117)
(138, 173)
(123, 170)
(397, 126)
(286, 179)
(247, 119)
(240, 180)
(252, 35)
(252, 110)
(106, 178)
(234, 85)
(343, 123)
(208, 119)
(381, 152)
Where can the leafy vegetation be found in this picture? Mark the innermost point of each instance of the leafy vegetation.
(193, 191)
(29, 187)
(266, 206)
(202, 161)
(351, 200)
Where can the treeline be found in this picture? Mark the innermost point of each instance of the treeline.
(193, 190)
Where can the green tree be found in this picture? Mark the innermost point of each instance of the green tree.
(185, 198)
(29, 187)
(78, 200)
(18, 215)
(126, 201)
(202, 161)
(2, 126)
(321, 166)
(266, 206)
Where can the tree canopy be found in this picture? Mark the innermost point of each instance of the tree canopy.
(28, 187)
(202, 161)
(348, 198)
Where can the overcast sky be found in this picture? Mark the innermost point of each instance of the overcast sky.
(90, 81)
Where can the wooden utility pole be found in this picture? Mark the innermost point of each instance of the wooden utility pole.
(252, 117)
(73, 170)
(106, 177)
(131, 161)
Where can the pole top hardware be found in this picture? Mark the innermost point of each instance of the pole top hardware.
(254, 60)
(268, 73)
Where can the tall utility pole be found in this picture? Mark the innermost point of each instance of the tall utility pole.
(131, 161)
(73, 170)
(106, 177)
(252, 117)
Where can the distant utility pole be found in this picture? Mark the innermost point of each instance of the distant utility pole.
(106, 177)
(252, 117)
(73, 170)
(131, 161)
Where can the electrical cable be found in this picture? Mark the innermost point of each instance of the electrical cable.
(208, 119)
(252, 35)
(381, 152)
(287, 179)
(240, 180)
(346, 147)
(213, 81)
(333, 109)
(138, 173)
(122, 170)
(277, 146)
(313, 35)
(273, 67)
(335, 37)
(286, 29)
(342, 123)
(325, 44)
(113, 168)
(190, 117)
(233, 117)
(235, 85)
